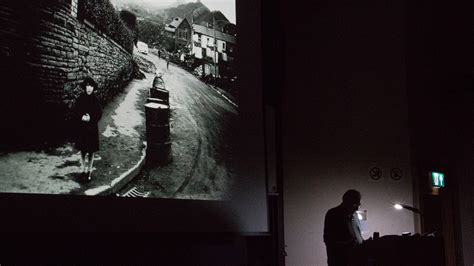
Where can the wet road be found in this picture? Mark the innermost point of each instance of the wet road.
(202, 134)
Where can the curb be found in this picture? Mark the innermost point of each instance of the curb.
(215, 88)
(120, 181)
(223, 95)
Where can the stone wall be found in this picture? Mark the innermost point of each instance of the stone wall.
(46, 52)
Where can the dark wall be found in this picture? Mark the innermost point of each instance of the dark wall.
(130, 249)
(344, 111)
(440, 84)
(343, 102)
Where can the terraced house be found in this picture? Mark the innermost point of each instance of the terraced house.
(214, 45)
(178, 32)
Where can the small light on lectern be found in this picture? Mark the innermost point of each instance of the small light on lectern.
(398, 206)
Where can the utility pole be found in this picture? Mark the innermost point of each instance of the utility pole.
(191, 44)
(175, 39)
(215, 45)
(192, 31)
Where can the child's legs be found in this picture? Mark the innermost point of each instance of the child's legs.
(91, 161)
(83, 160)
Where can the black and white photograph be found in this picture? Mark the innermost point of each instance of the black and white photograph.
(125, 98)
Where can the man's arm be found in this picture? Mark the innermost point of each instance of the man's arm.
(329, 234)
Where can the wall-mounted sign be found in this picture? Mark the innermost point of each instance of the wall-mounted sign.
(437, 179)
(375, 173)
(396, 173)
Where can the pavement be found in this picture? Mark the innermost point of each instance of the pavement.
(119, 160)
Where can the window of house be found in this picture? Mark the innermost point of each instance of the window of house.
(223, 46)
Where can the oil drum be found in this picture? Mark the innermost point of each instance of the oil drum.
(157, 113)
(155, 100)
(158, 153)
(157, 133)
(162, 94)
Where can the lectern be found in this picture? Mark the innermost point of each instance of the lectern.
(396, 250)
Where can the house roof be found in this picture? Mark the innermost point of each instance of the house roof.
(174, 24)
(176, 21)
(210, 32)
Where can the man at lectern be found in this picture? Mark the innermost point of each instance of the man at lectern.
(342, 229)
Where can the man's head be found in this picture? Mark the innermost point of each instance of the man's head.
(351, 200)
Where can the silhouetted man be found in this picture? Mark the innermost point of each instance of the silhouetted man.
(342, 230)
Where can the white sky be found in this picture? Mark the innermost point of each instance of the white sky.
(227, 7)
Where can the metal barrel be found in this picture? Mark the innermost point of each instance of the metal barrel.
(157, 133)
(155, 100)
(160, 94)
(158, 153)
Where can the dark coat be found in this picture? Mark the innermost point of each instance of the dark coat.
(341, 235)
(87, 133)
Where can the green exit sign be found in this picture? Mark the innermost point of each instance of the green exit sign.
(437, 179)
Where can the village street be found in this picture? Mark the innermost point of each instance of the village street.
(203, 128)
(202, 131)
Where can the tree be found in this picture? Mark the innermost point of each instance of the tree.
(130, 21)
(151, 32)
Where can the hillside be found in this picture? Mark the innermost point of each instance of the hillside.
(195, 12)
(201, 15)
(220, 20)
(217, 15)
(151, 20)
(142, 12)
(197, 9)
